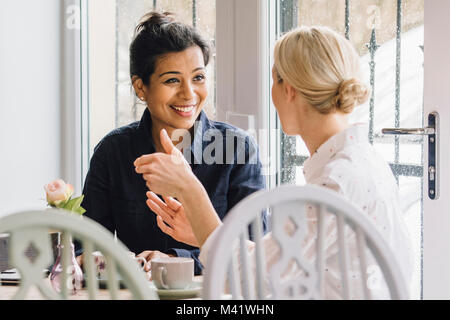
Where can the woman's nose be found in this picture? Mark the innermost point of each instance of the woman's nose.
(187, 91)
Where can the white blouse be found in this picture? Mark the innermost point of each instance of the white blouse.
(348, 164)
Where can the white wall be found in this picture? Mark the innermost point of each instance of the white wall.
(30, 144)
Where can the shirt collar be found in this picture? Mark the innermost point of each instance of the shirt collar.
(201, 125)
(356, 133)
(144, 141)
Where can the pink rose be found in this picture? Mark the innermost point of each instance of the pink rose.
(58, 192)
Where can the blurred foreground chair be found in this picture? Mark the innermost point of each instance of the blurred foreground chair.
(248, 276)
(31, 229)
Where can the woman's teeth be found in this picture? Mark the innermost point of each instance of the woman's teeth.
(185, 109)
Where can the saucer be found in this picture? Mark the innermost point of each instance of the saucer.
(10, 277)
(192, 291)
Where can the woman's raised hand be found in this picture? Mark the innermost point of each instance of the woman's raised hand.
(168, 173)
(172, 219)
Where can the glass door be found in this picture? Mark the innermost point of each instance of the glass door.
(389, 37)
(436, 218)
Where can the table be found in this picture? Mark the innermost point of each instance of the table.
(8, 291)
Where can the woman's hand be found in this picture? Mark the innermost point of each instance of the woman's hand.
(168, 173)
(150, 255)
(171, 219)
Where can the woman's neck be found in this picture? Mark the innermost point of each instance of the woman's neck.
(320, 128)
(156, 131)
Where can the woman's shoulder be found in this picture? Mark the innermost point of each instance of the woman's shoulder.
(118, 135)
(122, 131)
(360, 170)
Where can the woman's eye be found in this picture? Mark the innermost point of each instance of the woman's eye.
(200, 77)
(172, 80)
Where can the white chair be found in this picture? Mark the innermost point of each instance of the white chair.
(251, 279)
(31, 229)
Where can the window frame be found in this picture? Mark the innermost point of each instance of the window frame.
(243, 63)
(75, 101)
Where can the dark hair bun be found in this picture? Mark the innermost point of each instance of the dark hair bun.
(154, 20)
(158, 34)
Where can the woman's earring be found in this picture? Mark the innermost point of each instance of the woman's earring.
(142, 98)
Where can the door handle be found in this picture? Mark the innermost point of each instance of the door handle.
(405, 131)
(432, 131)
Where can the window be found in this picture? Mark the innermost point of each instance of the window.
(389, 37)
(111, 27)
(387, 34)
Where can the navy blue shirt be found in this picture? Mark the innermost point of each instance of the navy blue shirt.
(115, 195)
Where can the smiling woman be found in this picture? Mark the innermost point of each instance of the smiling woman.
(170, 77)
(168, 61)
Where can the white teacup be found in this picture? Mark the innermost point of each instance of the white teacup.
(172, 272)
(100, 261)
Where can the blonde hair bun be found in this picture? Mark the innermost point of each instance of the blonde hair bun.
(323, 66)
(351, 93)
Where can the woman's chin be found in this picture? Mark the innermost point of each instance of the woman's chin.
(184, 123)
(288, 131)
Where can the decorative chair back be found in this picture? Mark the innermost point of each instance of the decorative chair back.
(31, 230)
(303, 219)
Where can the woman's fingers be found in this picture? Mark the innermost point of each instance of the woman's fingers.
(144, 168)
(164, 206)
(145, 159)
(166, 143)
(172, 203)
(149, 255)
(160, 212)
(152, 196)
(164, 228)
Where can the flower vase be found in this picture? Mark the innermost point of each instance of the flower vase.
(74, 273)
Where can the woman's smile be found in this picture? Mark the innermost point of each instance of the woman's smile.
(186, 110)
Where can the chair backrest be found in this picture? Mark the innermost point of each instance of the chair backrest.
(32, 228)
(249, 277)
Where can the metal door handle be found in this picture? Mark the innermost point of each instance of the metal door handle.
(432, 131)
(413, 131)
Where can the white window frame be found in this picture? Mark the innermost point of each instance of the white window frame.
(75, 108)
(244, 38)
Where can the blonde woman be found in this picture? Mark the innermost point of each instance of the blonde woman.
(316, 85)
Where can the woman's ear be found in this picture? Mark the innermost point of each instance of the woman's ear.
(139, 87)
(290, 92)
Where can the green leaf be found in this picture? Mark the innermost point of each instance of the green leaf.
(80, 210)
(62, 205)
(74, 204)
